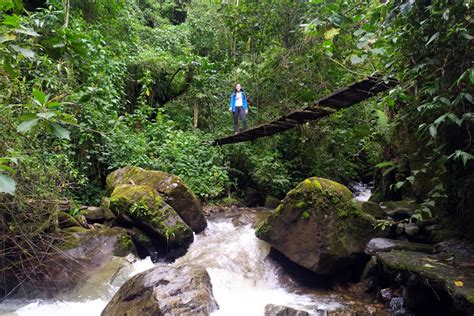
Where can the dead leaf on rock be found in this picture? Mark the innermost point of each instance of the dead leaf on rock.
(459, 283)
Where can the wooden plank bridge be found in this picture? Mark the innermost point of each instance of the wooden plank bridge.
(340, 99)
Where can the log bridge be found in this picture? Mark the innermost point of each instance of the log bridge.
(340, 99)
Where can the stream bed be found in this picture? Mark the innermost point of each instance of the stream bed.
(244, 279)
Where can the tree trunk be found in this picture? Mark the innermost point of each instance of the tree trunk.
(195, 116)
(66, 12)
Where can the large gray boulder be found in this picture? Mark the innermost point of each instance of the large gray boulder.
(165, 290)
(175, 192)
(319, 227)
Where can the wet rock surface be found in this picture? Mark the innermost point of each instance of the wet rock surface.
(255, 218)
(165, 290)
(144, 244)
(410, 274)
(240, 215)
(278, 310)
(319, 227)
(96, 245)
(433, 284)
(384, 245)
(400, 213)
(112, 273)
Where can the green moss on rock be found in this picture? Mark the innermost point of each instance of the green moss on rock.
(176, 193)
(318, 226)
(439, 270)
(300, 204)
(125, 245)
(146, 208)
(262, 230)
(78, 237)
(305, 215)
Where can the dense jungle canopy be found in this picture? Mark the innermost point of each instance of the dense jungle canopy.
(91, 86)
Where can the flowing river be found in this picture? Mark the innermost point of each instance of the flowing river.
(244, 279)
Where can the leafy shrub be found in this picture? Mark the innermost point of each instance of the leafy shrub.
(270, 173)
(160, 146)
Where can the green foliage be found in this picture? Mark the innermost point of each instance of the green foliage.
(434, 56)
(7, 184)
(160, 146)
(383, 224)
(147, 83)
(270, 173)
(74, 211)
(258, 167)
(41, 114)
(305, 215)
(140, 209)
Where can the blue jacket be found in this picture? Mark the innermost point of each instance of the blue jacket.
(232, 101)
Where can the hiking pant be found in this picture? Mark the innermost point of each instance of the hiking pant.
(240, 111)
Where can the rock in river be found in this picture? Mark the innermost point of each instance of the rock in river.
(278, 310)
(165, 290)
(319, 227)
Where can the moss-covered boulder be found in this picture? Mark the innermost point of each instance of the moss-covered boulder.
(165, 290)
(147, 210)
(319, 227)
(433, 284)
(109, 216)
(175, 192)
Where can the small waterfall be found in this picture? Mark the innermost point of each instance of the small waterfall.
(361, 191)
(243, 279)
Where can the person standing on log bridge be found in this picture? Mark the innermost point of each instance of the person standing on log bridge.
(238, 105)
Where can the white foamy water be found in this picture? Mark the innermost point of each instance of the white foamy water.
(243, 280)
(361, 191)
(78, 303)
(40, 307)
